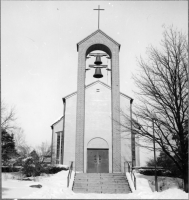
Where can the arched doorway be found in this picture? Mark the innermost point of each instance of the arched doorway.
(97, 156)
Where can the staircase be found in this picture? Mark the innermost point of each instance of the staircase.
(101, 183)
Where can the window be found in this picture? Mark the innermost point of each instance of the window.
(59, 147)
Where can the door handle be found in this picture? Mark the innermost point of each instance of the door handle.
(99, 159)
(95, 160)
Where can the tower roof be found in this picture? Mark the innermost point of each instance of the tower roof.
(98, 31)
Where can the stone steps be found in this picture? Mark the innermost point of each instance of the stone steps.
(100, 178)
(106, 187)
(101, 191)
(99, 174)
(94, 184)
(101, 183)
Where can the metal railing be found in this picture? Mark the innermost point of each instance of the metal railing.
(130, 170)
(133, 177)
(69, 173)
(158, 168)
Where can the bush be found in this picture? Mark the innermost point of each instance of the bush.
(164, 161)
(10, 169)
(151, 172)
(53, 169)
(31, 167)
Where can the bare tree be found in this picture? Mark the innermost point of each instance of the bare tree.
(19, 137)
(163, 99)
(24, 150)
(8, 125)
(43, 151)
(7, 118)
(20, 143)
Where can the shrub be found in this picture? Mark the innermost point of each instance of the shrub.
(151, 172)
(53, 169)
(164, 161)
(31, 167)
(10, 169)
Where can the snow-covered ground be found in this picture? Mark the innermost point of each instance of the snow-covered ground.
(55, 187)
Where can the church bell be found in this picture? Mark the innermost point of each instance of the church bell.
(98, 60)
(98, 73)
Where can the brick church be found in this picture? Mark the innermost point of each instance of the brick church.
(89, 131)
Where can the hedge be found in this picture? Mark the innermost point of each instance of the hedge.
(53, 169)
(11, 169)
(160, 172)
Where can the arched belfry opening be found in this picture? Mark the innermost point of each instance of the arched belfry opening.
(103, 71)
(100, 47)
(98, 41)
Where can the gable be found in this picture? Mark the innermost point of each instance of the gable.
(93, 34)
(58, 120)
(91, 85)
(98, 82)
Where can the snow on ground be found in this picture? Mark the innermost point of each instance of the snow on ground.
(164, 183)
(144, 190)
(64, 166)
(55, 187)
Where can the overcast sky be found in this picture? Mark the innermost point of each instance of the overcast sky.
(39, 55)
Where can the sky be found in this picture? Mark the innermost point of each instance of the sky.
(39, 57)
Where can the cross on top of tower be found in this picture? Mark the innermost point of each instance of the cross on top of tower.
(98, 14)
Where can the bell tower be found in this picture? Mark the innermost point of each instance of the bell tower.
(98, 41)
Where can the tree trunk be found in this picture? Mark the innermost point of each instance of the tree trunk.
(186, 184)
(185, 178)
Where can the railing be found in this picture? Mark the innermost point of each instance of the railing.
(133, 177)
(130, 170)
(69, 173)
(158, 168)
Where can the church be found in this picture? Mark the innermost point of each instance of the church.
(89, 131)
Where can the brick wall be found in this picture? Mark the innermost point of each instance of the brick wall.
(98, 38)
(98, 120)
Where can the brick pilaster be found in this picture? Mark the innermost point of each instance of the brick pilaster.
(80, 116)
(116, 137)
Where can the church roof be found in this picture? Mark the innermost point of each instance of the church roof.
(94, 83)
(97, 31)
(86, 87)
(57, 121)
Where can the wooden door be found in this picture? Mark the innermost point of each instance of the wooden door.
(97, 161)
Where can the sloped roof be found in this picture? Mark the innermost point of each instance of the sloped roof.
(57, 120)
(97, 31)
(93, 83)
(86, 87)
